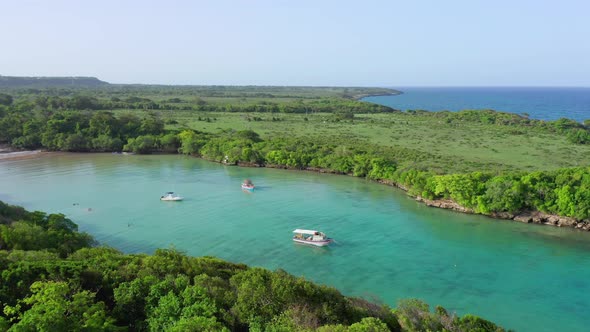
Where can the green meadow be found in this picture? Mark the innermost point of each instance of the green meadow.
(461, 146)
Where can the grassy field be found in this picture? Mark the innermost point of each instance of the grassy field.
(469, 145)
(190, 95)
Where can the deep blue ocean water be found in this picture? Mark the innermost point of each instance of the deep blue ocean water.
(539, 103)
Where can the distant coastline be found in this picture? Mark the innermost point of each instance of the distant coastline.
(392, 93)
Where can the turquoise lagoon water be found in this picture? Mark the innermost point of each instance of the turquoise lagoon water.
(525, 277)
(539, 103)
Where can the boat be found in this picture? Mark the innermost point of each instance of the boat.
(312, 237)
(171, 196)
(247, 185)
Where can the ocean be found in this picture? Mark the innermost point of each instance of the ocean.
(539, 103)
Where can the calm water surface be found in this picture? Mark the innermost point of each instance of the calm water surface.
(539, 103)
(529, 278)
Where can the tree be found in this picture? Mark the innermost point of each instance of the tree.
(75, 143)
(185, 305)
(105, 143)
(23, 236)
(103, 123)
(566, 201)
(27, 142)
(254, 296)
(169, 143)
(151, 125)
(80, 102)
(5, 99)
(249, 135)
(129, 125)
(141, 144)
(55, 306)
(414, 315)
(130, 298)
(10, 127)
(4, 324)
(477, 324)
(503, 193)
(369, 324)
(579, 136)
(190, 142)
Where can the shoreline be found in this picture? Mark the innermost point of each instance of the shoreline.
(526, 216)
(19, 155)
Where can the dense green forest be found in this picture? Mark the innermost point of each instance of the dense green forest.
(54, 278)
(468, 156)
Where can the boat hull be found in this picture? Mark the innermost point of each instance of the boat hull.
(321, 243)
(176, 199)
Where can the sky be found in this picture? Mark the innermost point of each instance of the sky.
(319, 42)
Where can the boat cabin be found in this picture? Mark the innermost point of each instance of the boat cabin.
(170, 196)
(313, 237)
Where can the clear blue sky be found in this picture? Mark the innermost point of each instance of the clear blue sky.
(300, 42)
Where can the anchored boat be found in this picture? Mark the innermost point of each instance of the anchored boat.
(170, 196)
(312, 237)
(247, 185)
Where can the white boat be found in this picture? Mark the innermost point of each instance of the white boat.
(312, 237)
(170, 196)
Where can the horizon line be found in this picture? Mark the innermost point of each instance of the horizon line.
(388, 86)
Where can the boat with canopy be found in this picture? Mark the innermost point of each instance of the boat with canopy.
(315, 238)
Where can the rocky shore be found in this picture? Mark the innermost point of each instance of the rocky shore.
(529, 217)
